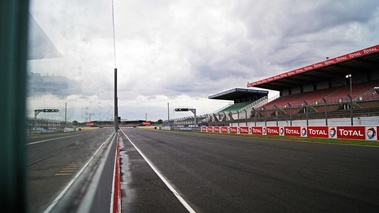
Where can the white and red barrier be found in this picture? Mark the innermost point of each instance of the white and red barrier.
(335, 132)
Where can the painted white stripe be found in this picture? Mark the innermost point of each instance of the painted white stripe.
(75, 178)
(165, 181)
(52, 139)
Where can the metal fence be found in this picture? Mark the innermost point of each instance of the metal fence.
(41, 126)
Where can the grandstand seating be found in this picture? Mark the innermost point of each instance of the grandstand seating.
(361, 92)
(282, 101)
(358, 90)
(236, 107)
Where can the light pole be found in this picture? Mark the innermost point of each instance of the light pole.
(255, 117)
(326, 112)
(351, 98)
(306, 111)
(290, 113)
(264, 113)
(276, 114)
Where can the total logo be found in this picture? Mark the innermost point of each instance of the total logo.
(303, 132)
(371, 133)
(332, 132)
(281, 131)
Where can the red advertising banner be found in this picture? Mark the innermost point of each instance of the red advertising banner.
(233, 130)
(256, 130)
(90, 124)
(272, 130)
(146, 123)
(351, 132)
(244, 130)
(337, 132)
(317, 132)
(292, 131)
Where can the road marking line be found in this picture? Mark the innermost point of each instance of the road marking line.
(163, 178)
(56, 200)
(52, 139)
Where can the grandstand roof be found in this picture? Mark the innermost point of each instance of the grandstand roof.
(358, 61)
(238, 93)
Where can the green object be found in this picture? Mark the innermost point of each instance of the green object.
(13, 55)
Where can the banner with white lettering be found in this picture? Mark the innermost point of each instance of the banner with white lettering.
(233, 130)
(351, 132)
(318, 132)
(335, 132)
(244, 130)
(293, 131)
(256, 130)
(272, 130)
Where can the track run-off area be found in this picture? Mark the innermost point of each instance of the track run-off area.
(171, 171)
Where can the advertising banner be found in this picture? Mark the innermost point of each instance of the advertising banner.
(293, 131)
(371, 133)
(318, 132)
(90, 124)
(351, 132)
(225, 129)
(233, 130)
(256, 130)
(332, 131)
(244, 130)
(335, 132)
(272, 130)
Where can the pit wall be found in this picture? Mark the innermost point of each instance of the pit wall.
(335, 132)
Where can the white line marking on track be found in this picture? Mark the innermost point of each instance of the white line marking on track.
(52, 205)
(163, 178)
(52, 139)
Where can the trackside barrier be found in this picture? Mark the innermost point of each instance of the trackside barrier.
(116, 202)
(336, 132)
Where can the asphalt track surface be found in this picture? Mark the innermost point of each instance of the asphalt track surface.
(223, 173)
(53, 160)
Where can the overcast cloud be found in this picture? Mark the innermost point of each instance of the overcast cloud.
(181, 51)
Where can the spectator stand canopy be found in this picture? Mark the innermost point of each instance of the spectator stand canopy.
(361, 64)
(240, 95)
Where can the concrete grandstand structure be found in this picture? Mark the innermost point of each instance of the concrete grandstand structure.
(339, 91)
(343, 88)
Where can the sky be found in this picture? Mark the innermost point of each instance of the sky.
(179, 51)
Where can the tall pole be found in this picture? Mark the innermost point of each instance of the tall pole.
(115, 101)
(65, 114)
(290, 113)
(168, 113)
(306, 112)
(326, 112)
(351, 98)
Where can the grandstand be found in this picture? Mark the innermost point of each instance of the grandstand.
(340, 87)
